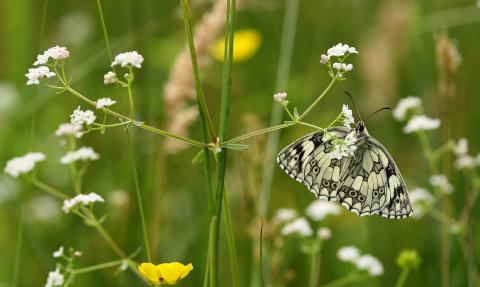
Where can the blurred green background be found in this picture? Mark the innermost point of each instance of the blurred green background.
(397, 45)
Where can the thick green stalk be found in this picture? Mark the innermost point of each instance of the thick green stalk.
(223, 129)
(231, 242)
(402, 278)
(139, 195)
(198, 86)
(98, 267)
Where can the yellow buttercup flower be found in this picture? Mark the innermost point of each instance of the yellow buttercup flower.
(165, 273)
(246, 44)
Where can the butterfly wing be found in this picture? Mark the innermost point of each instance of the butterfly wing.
(372, 183)
(307, 161)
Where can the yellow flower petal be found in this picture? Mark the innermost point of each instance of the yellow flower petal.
(246, 44)
(171, 273)
(150, 272)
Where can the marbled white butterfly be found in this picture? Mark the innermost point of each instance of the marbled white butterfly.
(366, 182)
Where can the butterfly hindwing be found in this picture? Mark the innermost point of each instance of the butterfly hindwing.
(372, 183)
(307, 161)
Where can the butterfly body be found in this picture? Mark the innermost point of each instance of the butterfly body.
(367, 182)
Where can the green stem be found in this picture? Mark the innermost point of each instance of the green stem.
(198, 86)
(137, 124)
(130, 94)
(353, 277)
(313, 268)
(48, 189)
(223, 129)
(18, 250)
(211, 246)
(231, 242)
(97, 267)
(104, 29)
(262, 277)
(402, 278)
(317, 100)
(139, 195)
(256, 133)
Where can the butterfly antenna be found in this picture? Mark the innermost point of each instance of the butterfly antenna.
(377, 111)
(353, 102)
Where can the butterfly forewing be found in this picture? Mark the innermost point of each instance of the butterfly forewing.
(307, 161)
(367, 183)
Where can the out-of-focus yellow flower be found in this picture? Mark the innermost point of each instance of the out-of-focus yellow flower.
(246, 44)
(165, 273)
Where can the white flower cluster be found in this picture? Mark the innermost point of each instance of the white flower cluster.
(133, 59)
(421, 200)
(35, 74)
(69, 129)
(83, 153)
(405, 105)
(280, 97)
(341, 51)
(57, 53)
(84, 199)
(347, 116)
(23, 164)
(320, 209)
(58, 253)
(317, 211)
(55, 278)
(104, 102)
(365, 262)
(421, 123)
(109, 78)
(417, 122)
(464, 159)
(441, 182)
(79, 117)
(344, 147)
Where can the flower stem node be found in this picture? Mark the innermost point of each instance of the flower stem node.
(408, 259)
(165, 273)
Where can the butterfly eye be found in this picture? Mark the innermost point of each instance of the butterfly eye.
(334, 185)
(326, 183)
(361, 198)
(381, 190)
(352, 193)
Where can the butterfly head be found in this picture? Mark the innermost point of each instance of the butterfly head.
(360, 128)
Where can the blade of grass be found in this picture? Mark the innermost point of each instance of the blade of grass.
(224, 123)
(231, 242)
(104, 29)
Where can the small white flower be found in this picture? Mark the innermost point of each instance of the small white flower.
(55, 278)
(369, 263)
(405, 105)
(324, 59)
(23, 164)
(124, 265)
(84, 199)
(421, 123)
(104, 102)
(337, 66)
(441, 181)
(344, 147)
(465, 161)
(319, 209)
(347, 67)
(83, 153)
(420, 199)
(461, 148)
(109, 78)
(128, 58)
(352, 50)
(338, 50)
(58, 253)
(41, 60)
(68, 129)
(347, 116)
(280, 97)
(56, 53)
(348, 254)
(79, 117)
(35, 74)
(285, 214)
(324, 233)
(299, 226)
(77, 253)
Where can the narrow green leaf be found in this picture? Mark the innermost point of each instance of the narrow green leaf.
(238, 147)
(199, 157)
